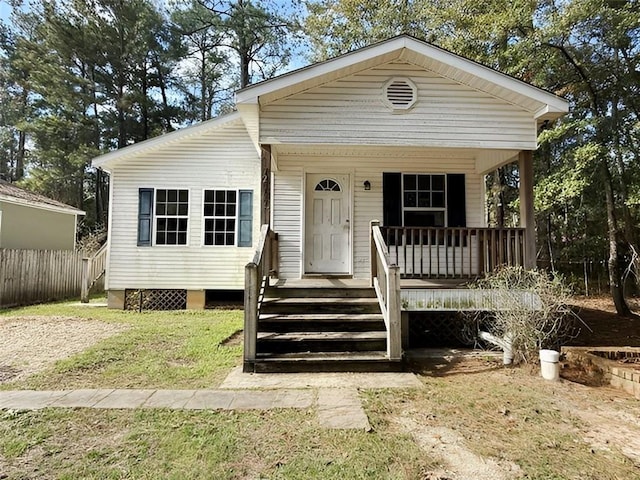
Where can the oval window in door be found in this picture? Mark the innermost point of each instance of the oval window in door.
(327, 185)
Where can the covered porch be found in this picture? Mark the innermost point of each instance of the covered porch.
(342, 323)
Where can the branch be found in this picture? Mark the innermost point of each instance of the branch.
(579, 69)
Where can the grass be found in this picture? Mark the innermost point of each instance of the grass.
(506, 414)
(158, 350)
(147, 444)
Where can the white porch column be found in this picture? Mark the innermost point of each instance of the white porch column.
(527, 218)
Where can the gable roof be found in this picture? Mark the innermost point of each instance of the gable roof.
(13, 194)
(542, 104)
(152, 144)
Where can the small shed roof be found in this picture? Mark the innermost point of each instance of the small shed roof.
(11, 193)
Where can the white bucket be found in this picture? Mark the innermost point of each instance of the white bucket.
(549, 366)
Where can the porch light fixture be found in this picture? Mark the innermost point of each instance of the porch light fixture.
(367, 185)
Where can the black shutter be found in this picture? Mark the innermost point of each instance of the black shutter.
(392, 199)
(456, 202)
(145, 216)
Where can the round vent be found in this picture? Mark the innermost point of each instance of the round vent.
(400, 93)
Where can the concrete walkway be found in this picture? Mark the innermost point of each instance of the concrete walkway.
(334, 395)
(174, 399)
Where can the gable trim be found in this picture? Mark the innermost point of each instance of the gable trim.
(399, 48)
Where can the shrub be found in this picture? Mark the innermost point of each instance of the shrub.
(528, 308)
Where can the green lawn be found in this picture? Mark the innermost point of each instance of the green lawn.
(160, 444)
(158, 350)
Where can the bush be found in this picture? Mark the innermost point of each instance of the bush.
(527, 308)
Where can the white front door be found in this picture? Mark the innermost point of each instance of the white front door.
(327, 227)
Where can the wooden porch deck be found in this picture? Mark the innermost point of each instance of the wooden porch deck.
(334, 282)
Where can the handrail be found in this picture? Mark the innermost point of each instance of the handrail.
(256, 279)
(385, 278)
(92, 269)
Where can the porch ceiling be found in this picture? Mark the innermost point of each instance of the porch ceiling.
(486, 160)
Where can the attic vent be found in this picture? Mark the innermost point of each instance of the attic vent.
(400, 93)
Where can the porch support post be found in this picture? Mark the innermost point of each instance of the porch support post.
(265, 184)
(527, 218)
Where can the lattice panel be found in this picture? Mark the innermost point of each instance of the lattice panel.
(435, 329)
(155, 300)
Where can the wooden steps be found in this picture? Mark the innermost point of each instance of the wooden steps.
(321, 329)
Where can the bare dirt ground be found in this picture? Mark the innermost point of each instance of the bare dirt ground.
(31, 344)
(608, 329)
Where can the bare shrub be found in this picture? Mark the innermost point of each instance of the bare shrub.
(527, 309)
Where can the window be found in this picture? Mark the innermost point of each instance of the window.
(220, 208)
(423, 200)
(397, 214)
(163, 217)
(225, 212)
(171, 216)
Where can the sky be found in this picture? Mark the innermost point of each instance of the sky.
(5, 10)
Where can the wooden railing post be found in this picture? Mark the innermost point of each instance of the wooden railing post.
(394, 305)
(84, 292)
(251, 293)
(373, 260)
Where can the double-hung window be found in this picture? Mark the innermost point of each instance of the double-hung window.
(220, 207)
(163, 216)
(172, 216)
(228, 217)
(424, 200)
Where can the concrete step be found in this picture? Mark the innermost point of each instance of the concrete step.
(326, 362)
(304, 341)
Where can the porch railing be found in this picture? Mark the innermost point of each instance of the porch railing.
(385, 278)
(435, 252)
(257, 274)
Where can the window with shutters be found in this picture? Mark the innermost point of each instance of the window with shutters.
(228, 217)
(424, 200)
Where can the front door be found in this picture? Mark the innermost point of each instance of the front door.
(327, 227)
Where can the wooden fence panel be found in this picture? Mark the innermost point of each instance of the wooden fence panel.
(33, 276)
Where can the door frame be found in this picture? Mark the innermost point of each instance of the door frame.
(303, 219)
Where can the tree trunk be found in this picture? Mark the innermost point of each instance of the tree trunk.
(615, 276)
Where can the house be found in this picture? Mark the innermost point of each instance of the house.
(34, 222)
(365, 169)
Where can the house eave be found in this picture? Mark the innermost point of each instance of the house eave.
(42, 206)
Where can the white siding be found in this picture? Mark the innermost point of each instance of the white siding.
(363, 164)
(350, 111)
(221, 159)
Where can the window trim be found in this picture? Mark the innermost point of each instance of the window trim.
(444, 209)
(236, 231)
(155, 218)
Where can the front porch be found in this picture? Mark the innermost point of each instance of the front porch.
(325, 323)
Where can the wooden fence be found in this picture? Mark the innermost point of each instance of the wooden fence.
(33, 276)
